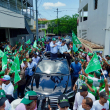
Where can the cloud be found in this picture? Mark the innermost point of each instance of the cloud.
(49, 5)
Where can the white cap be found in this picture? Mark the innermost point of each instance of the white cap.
(15, 103)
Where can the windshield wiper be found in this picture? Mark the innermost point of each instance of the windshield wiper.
(53, 74)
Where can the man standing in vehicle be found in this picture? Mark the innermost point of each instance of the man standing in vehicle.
(53, 49)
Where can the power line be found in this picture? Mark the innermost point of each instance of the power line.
(40, 3)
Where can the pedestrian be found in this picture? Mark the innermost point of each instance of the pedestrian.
(21, 84)
(82, 93)
(102, 103)
(2, 103)
(36, 58)
(31, 68)
(91, 89)
(26, 103)
(63, 103)
(7, 104)
(87, 104)
(76, 67)
(53, 49)
(7, 86)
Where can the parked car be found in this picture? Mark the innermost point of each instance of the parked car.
(51, 79)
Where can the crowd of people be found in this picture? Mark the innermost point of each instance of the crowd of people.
(92, 90)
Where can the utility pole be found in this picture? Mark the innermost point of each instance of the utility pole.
(57, 20)
(36, 21)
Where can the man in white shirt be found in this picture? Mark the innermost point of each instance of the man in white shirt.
(102, 103)
(36, 58)
(82, 93)
(87, 104)
(53, 49)
(7, 85)
(64, 51)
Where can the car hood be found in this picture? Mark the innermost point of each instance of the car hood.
(49, 85)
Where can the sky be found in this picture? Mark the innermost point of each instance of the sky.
(46, 8)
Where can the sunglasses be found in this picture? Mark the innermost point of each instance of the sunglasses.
(64, 107)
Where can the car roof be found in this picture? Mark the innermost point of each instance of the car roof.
(49, 66)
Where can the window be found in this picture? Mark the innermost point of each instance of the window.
(95, 4)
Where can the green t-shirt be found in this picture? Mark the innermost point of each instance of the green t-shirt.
(95, 91)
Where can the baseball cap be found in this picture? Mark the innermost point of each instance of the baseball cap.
(2, 100)
(54, 39)
(26, 100)
(82, 88)
(98, 74)
(89, 81)
(63, 101)
(104, 95)
(24, 59)
(90, 54)
(5, 78)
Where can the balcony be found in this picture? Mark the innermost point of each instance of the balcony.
(18, 7)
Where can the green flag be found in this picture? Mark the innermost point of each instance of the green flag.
(4, 62)
(28, 42)
(20, 48)
(75, 39)
(1, 53)
(14, 68)
(8, 48)
(35, 44)
(93, 65)
(75, 49)
(16, 77)
(16, 60)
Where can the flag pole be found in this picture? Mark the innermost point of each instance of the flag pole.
(103, 74)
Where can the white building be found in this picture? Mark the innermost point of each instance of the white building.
(94, 22)
(42, 27)
(16, 18)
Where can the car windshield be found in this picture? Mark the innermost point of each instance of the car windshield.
(53, 67)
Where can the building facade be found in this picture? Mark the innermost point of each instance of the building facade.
(16, 18)
(42, 27)
(94, 22)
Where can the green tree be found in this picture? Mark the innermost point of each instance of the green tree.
(65, 25)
